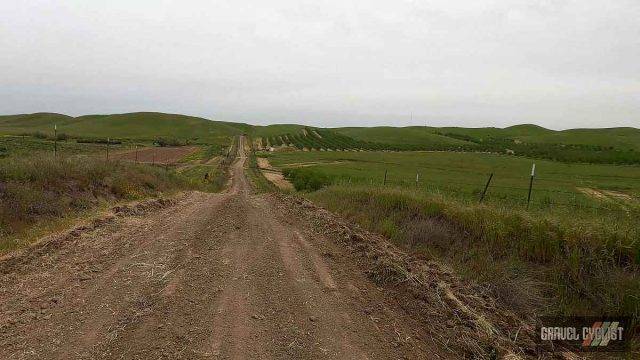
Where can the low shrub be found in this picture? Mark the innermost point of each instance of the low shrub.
(98, 141)
(306, 179)
(169, 141)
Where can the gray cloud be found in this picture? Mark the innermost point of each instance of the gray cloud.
(557, 63)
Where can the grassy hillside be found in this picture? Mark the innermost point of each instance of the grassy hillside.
(135, 126)
(422, 135)
(147, 125)
(622, 138)
(619, 138)
(413, 135)
(320, 139)
(276, 129)
(487, 132)
(604, 146)
(32, 122)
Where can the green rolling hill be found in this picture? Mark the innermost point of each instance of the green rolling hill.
(621, 138)
(612, 145)
(32, 122)
(413, 135)
(624, 138)
(511, 131)
(136, 126)
(276, 130)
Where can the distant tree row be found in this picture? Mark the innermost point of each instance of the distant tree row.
(574, 153)
(316, 139)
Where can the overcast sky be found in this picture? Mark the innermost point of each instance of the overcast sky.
(556, 63)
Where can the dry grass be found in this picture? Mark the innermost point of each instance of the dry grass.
(43, 188)
(529, 261)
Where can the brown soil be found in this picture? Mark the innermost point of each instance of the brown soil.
(593, 193)
(264, 164)
(158, 155)
(239, 275)
(273, 175)
(618, 195)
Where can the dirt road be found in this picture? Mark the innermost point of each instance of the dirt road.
(228, 276)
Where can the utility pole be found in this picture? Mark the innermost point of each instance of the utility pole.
(385, 178)
(108, 142)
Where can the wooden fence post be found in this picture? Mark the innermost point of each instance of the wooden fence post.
(55, 140)
(533, 173)
(486, 187)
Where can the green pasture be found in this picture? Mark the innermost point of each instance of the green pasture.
(465, 175)
(12, 145)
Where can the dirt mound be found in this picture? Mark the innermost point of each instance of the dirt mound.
(458, 315)
(47, 243)
(263, 163)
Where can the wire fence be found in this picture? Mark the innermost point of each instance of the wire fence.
(543, 197)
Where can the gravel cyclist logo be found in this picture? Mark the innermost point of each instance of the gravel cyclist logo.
(586, 333)
(602, 333)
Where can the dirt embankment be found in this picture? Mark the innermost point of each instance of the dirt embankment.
(453, 314)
